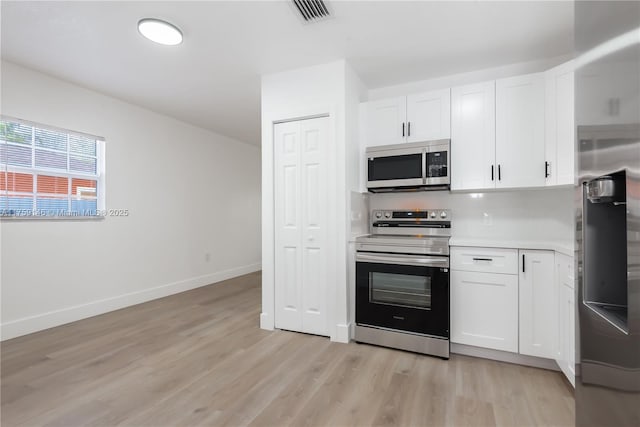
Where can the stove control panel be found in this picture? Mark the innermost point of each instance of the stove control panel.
(420, 215)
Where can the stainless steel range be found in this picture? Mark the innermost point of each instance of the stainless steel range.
(402, 281)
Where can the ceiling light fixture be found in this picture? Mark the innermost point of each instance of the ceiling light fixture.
(160, 31)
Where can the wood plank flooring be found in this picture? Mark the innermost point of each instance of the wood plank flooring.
(199, 358)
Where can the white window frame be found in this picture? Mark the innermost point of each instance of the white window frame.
(99, 177)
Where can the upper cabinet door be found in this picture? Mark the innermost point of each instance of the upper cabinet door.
(560, 125)
(473, 136)
(384, 121)
(520, 131)
(429, 116)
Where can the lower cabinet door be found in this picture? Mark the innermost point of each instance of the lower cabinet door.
(538, 309)
(565, 352)
(570, 344)
(484, 310)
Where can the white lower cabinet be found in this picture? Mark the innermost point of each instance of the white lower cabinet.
(506, 299)
(538, 315)
(484, 297)
(484, 310)
(565, 350)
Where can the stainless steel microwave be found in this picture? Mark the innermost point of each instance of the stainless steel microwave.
(406, 167)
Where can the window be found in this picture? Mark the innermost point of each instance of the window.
(48, 172)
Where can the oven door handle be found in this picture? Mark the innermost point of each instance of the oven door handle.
(403, 260)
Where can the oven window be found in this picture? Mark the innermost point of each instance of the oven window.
(437, 164)
(408, 166)
(400, 289)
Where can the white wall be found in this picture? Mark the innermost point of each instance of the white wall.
(467, 78)
(190, 192)
(331, 89)
(541, 215)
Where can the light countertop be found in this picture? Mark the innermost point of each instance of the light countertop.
(566, 248)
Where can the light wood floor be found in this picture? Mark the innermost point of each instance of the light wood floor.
(199, 358)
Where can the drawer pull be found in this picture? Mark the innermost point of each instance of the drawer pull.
(483, 259)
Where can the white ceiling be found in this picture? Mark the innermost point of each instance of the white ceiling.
(212, 79)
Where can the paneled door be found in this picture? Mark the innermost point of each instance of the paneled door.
(559, 125)
(538, 304)
(473, 136)
(520, 131)
(301, 225)
(484, 310)
(429, 116)
(384, 122)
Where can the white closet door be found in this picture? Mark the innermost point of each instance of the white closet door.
(314, 138)
(288, 226)
(300, 230)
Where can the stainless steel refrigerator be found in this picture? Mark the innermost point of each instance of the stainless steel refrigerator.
(607, 88)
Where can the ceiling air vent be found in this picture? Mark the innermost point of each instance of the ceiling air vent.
(311, 10)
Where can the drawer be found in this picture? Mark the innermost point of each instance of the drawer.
(484, 260)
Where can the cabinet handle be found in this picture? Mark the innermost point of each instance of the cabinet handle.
(546, 169)
(491, 172)
(403, 129)
(499, 174)
(408, 128)
(523, 263)
(483, 259)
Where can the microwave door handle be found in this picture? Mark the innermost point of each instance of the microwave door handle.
(424, 166)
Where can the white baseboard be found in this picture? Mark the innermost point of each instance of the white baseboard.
(504, 356)
(266, 322)
(30, 324)
(342, 333)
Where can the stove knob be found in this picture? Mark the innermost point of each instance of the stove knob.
(378, 215)
(387, 215)
(433, 214)
(443, 215)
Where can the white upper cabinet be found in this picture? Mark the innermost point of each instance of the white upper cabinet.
(538, 299)
(604, 86)
(473, 136)
(413, 118)
(384, 121)
(429, 116)
(520, 131)
(560, 125)
(516, 132)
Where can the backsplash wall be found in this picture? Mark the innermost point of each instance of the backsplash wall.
(532, 215)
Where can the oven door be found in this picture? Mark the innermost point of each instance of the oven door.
(438, 160)
(403, 167)
(403, 292)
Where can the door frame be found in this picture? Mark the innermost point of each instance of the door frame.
(337, 327)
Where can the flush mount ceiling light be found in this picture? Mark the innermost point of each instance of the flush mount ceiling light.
(160, 31)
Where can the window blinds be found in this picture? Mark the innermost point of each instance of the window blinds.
(49, 172)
